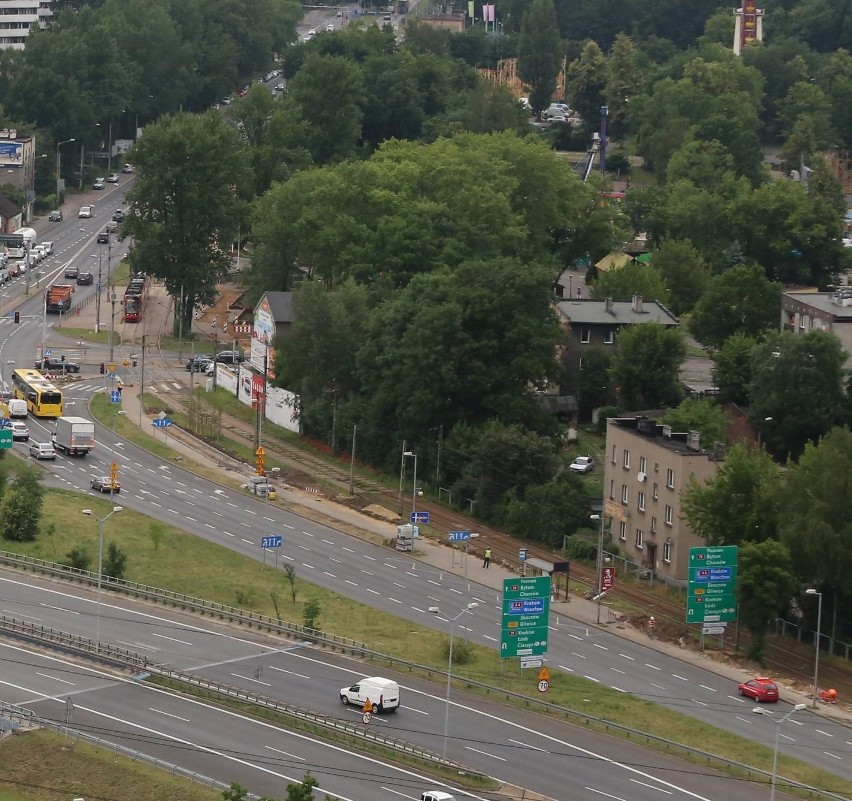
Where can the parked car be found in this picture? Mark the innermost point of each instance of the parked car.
(105, 484)
(229, 357)
(20, 432)
(57, 366)
(127, 169)
(86, 211)
(112, 178)
(84, 279)
(198, 364)
(42, 450)
(760, 689)
(55, 216)
(582, 464)
(99, 183)
(71, 271)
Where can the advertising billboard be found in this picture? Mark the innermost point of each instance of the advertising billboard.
(11, 153)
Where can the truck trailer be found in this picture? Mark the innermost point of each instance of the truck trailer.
(75, 436)
(59, 298)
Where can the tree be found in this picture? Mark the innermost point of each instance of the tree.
(765, 585)
(20, 507)
(732, 369)
(625, 282)
(624, 76)
(539, 52)
(698, 414)
(587, 80)
(740, 300)
(684, 273)
(805, 99)
(115, 563)
(549, 512)
(796, 389)
(310, 614)
(593, 385)
(739, 503)
(185, 209)
(645, 367)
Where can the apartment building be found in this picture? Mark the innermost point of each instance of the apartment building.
(826, 311)
(647, 468)
(17, 17)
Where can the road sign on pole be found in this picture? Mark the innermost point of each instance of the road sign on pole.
(271, 542)
(712, 584)
(420, 517)
(458, 536)
(6, 439)
(526, 610)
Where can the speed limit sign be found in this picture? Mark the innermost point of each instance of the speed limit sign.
(366, 717)
(543, 686)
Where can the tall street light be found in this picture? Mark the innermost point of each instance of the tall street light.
(812, 591)
(759, 711)
(101, 522)
(600, 561)
(98, 294)
(414, 485)
(436, 610)
(58, 145)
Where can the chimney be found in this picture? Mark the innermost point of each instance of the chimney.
(667, 431)
(693, 440)
(608, 305)
(637, 303)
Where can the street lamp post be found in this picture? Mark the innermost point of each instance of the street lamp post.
(600, 561)
(759, 711)
(101, 522)
(436, 610)
(98, 295)
(414, 486)
(58, 145)
(812, 591)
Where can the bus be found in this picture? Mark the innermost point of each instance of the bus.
(43, 399)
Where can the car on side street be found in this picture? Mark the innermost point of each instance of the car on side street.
(99, 183)
(229, 357)
(42, 450)
(761, 689)
(105, 484)
(57, 366)
(582, 464)
(198, 364)
(55, 216)
(112, 178)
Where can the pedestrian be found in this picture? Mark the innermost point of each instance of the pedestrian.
(487, 560)
(579, 292)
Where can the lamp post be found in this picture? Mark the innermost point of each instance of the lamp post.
(600, 561)
(101, 522)
(58, 145)
(436, 610)
(812, 591)
(759, 711)
(414, 485)
(98, 295)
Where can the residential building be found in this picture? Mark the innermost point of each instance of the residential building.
(597, 323)
(17, 17)
(826, 311)
(646, 470)
(17, 161)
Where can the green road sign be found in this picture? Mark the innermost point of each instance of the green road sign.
(711, 589)
(526, 610)
(5, 438)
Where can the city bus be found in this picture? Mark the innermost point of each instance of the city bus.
(43, 399)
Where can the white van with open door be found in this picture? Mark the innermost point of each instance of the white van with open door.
(383, 694)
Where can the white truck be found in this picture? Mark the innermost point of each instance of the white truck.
(75, 436)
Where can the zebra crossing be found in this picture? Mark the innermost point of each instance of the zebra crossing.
(153, 386)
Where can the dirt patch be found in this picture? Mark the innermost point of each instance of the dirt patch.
(381, 512)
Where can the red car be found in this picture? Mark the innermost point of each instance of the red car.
(760, 689)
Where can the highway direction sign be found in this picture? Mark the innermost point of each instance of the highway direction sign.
(271, 542)
(163, 422)
(6, 439)
(526, 609)
(712, 583)
(115, 396)
(420, 517)
(457, 536)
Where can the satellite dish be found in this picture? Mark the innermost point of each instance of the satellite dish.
(641, 477)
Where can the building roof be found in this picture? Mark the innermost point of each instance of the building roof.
(585, 311)
(8, 209)
(613, 261)
(683, 443)
(825, 302)
(281, 306)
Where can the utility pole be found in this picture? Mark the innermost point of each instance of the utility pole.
(98, 298)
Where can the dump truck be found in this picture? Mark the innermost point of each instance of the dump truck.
(75, 436)
(59, 298)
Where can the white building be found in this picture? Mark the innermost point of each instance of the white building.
(18, 16)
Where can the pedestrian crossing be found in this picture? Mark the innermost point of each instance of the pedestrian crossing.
(154, 386)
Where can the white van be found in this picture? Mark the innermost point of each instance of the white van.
(382, 693)
(17, 407)
(436, 795)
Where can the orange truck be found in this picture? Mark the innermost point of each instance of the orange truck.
(59, 298)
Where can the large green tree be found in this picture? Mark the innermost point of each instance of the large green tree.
(732, 368)
(684, 273)
(549, 512)
(587, 81)
(20, 506)
(623, 283)
(645, 368)
(539, 52)
(185, 208)
(698, 414)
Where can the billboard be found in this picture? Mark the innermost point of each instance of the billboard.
(11, 153)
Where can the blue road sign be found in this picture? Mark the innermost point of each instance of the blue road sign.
(115, 396)
(522, 554)
(271, 542)
(162, 423)
(47, 351)
(458, 536)
(112, 376)
(420, 517)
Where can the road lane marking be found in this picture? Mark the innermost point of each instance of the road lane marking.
(820, 731)
(653, 667)
(705, 687)
(485, 753)
(652, 787)
(632, 659)
(171, 639)
(606, 795)
(291, 672)
(168, 714)
(527, 745)
(285, 753)
(251, 678)
(55, 678)
(682, 678)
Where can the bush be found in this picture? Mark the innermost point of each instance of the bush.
(619, 163)
(310, 614)
(603, 413)
(462, 651)
(578, 548)
(78, 558)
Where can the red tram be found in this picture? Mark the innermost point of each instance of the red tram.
(135, 297)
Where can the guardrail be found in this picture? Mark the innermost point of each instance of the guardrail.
(360, 649)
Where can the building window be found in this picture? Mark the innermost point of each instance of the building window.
(640, 538)
(614, 449)
(653, 525)
(625, 494)
(669, 515)
(585, 335)
(609, 337)
(667, 551)
(612, 490)
(670, 478)
(656, 490)
(643, 465)
(626, 459)
(622, 530)
(641, 501)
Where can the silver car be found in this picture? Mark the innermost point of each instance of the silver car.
(42, 450)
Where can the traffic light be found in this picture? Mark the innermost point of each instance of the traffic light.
(17, 317)
(103, 368)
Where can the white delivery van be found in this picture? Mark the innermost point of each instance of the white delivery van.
(436, 795)
(17, 407)
(382, 693)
